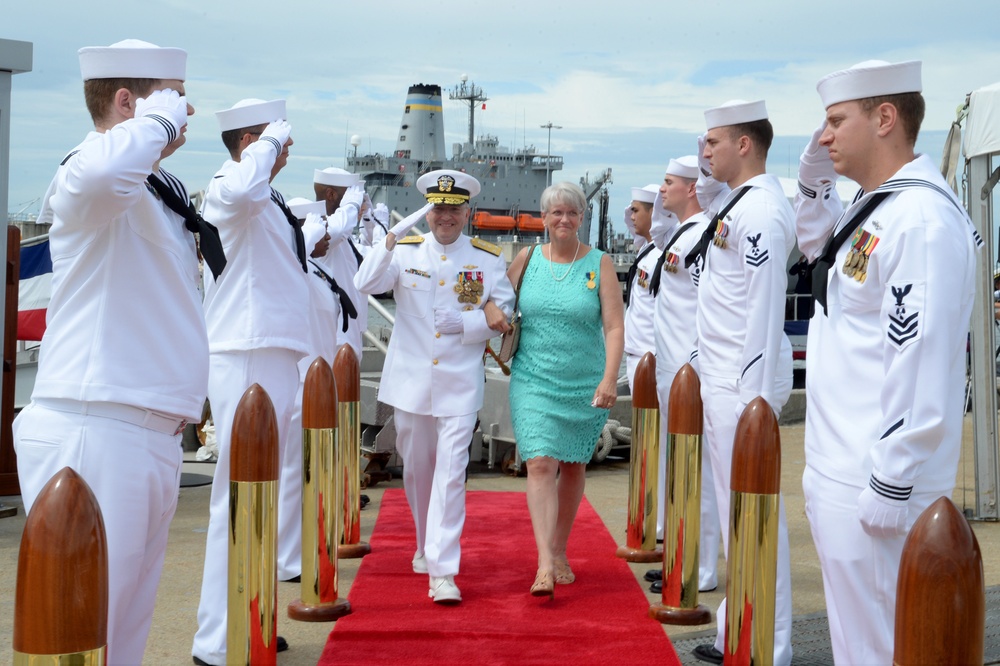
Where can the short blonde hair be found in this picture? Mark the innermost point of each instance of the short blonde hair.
(563, 193)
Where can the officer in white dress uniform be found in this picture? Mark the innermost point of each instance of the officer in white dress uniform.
(124, 357)
(886, 355)
(638, 298)
(258, 319)
(345, 199)
(452, 295)
(743, 351)
(675, 288)
(324, 321)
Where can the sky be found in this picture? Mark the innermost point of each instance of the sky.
(627, 81)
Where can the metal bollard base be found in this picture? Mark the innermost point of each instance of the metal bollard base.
(639, 555)
(680, 616)
(328, 612)
(350, 551)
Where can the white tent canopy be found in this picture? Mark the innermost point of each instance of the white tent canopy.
(982, 129)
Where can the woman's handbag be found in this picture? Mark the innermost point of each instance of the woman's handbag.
(510, 339)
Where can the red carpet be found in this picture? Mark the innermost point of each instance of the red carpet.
(599, 619)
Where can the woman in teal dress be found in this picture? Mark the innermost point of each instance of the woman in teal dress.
(564, 377)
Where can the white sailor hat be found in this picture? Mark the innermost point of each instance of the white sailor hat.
(684, 167)
(250, 112)
(871, 78)
(735, 112)
(300, 207)
(313, 229)
(132, 59)
(445, 186)
(335, 177)
(645, 194)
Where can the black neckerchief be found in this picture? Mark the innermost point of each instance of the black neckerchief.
(208, 236)
(300, 239)
(822, 265)
(654, 282)
(357, 255)
(633, 269)
(347, 308)
(706, 238)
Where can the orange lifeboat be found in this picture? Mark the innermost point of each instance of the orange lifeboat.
(493, 222)
(526, 222)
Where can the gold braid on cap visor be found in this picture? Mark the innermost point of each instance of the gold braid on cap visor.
(451, 199)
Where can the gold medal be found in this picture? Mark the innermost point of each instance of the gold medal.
(591, 284)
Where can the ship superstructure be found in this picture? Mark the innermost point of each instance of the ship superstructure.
(507, 209)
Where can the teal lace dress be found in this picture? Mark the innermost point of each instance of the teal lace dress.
(559, 361)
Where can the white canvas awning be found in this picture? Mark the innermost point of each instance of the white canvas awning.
(982, 128)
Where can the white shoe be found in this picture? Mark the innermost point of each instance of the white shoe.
(444, 591)
(419, 563)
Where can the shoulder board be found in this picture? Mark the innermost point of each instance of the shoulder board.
(486, 247)
(408, 240)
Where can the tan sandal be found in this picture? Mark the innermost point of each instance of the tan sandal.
(564, 575)
(543, 585)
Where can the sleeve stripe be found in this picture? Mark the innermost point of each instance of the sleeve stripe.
(167, 125)
(901, 493)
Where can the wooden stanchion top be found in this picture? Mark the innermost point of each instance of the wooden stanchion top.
(940, 593)
(253, 452)
(757, 451)
(61, 602)
(685, 414)
(319, 396)
(644, 384)
(348, 374)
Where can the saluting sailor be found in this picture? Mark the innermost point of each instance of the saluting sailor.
(743, 351)
(325, 299)
(452, 295)
(124, 358)
(258, 319)
(674, 286)
(638, 297)
(344, 196)
(895, 280)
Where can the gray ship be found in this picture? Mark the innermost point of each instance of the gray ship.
(507, 210)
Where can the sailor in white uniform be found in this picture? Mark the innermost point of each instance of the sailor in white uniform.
(324, 321)
(638, 298)
(886, 352)
(374, 227)
(258, 318)
(124, 357)
(452, 295)
(345, 198)
(743, 351)
(675, 288)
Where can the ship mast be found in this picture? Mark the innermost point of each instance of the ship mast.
(469, 92)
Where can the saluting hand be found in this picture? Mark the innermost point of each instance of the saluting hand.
(164, 105)
(277, 133)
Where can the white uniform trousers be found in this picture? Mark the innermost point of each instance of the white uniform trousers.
(859, 571)
(708, 538)
(290, 496)
(720, 396)
(435, 451)
(631, 361)
(230, 375)
(134, 473)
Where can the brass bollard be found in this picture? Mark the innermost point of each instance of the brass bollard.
(940, 594)
(321, 488)
(753, 537)
(348, 376)
(640, 530)
(61, 599)
(251, 636)
(682, 514)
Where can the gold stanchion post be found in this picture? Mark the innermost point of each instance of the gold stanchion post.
(940, 593)
(682, 505)
(252, 636)
(321, 490)
(640, 530)
(61, 598)
(753, 537)
(348, 375)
